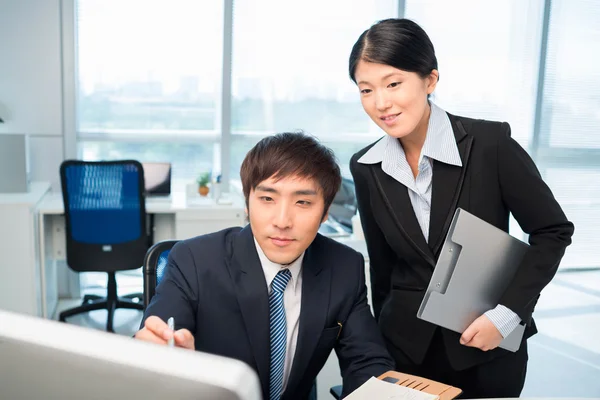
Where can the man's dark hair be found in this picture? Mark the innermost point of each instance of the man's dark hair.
(291, 154)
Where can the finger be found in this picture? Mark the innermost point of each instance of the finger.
(149, 336)
(184, 338)
(483, 346)
(475, 342)
(158, 327)
(478, 342)
(468, 334)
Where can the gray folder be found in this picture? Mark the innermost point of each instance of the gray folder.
(475, 267)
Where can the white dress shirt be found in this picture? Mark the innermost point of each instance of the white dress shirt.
(292, 300)
(440, 145)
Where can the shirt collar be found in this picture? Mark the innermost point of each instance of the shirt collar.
(439, 145)
(271, 269)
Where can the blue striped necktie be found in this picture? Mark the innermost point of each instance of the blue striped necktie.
(278, 330)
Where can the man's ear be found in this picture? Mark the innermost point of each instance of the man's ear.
(325, 216)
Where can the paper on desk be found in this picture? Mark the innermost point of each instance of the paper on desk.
(378, 389)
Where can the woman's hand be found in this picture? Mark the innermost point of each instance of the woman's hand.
(482, 334)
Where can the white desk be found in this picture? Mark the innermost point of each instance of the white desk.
(174, 218)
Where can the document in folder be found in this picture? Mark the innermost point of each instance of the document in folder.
(377, 389)
(476, 264)
(400, 386)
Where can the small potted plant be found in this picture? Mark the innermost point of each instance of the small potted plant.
(203, 181)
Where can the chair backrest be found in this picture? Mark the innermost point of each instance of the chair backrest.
(155, 264)
(105, 214)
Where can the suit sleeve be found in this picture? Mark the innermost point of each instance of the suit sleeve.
(176, 295)
(360, 348)
(381, 256)
(538, 213)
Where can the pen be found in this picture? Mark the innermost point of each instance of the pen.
(171, 324)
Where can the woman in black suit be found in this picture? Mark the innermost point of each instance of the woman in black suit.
(408, 186)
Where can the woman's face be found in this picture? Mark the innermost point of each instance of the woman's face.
(396, 100)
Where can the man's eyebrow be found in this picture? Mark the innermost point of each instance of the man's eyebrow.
(301, 192)
(306, 192)
(268, 189)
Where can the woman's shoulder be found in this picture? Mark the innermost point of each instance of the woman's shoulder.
(481, 128)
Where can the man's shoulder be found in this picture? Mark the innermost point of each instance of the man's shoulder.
(210, 242)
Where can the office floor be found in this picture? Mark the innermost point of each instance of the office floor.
(564, 358)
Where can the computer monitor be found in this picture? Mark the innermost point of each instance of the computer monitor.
(44, 359)
(157, 178)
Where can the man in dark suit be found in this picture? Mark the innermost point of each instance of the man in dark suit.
(275, 294)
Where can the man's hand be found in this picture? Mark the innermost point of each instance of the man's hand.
(156, 330)
(483, 334)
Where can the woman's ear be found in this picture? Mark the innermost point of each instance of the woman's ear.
(432, 81)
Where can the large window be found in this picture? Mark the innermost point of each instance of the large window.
(149, 75)
(149, 86)
(488, 57)
(569, 143)
(572, 91)
(290, 71)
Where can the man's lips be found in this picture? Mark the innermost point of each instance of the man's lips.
(281, 241)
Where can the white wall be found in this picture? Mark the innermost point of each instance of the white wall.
(37, 90)
(31, 84)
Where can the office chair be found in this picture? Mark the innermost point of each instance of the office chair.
(344, 205)
(106, 230)
(336, 392)
(155, 264)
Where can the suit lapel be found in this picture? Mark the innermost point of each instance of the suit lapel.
(253, 298)
(446, 187)
(397, 201)
(316, 282)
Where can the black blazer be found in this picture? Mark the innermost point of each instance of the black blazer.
(497, 177)
(215, 287)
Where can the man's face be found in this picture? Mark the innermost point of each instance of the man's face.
(285, 216)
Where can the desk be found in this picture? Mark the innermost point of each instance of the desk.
(174, 218)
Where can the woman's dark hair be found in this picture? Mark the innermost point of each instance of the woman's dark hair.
(399, 43)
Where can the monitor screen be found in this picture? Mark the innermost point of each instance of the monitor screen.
(44, 359)
(157, 178)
